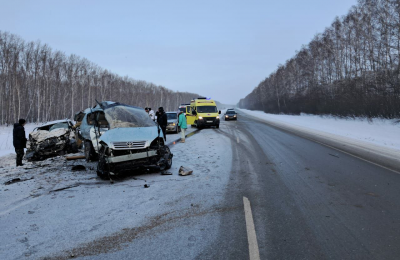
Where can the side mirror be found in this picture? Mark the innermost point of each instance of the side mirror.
(219, 112)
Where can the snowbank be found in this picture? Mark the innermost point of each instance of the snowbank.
(6, 137)
(381, 132)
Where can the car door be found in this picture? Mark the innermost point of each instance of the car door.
(190, 118)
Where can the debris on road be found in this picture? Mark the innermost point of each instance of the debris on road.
(15, 180)
(65, 188)
(166, 173)
(12, 181)
(183, 171)
(78, 168)
(147, 185)
(76, 157)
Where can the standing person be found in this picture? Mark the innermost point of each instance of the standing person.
(162, 121)
(151, 114)
(19, 140)
(183, 125)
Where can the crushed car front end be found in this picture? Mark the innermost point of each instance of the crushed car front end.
(133, 142)
(51, 139)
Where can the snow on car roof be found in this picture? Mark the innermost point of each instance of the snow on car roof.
(56, 121)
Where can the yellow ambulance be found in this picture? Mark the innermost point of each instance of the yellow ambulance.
(202, 112)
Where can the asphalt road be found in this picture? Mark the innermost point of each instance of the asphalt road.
(282, 197)
(308, 201)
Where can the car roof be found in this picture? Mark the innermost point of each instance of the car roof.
(106, 104)
(56, 122)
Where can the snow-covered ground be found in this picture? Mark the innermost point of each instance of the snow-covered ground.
(54, 210)
(380, 132)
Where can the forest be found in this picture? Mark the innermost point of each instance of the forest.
(40, 84)
(350, 69)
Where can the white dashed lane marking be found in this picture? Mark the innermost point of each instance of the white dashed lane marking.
(251, 232)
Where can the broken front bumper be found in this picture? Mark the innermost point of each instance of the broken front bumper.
(131, 157)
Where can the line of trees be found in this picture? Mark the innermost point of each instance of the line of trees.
(351, 69)
(40, 84)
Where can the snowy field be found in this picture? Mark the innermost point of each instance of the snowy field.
(380, 132)
(6, 137)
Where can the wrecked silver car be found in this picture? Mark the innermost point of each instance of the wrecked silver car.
(133, 141)
(51, 139)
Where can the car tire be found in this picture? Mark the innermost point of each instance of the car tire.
(217, 126)
(73, 146)
(102, 168)
(90, 153)
(168, 163)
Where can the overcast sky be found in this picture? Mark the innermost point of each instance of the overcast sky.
(220, 48)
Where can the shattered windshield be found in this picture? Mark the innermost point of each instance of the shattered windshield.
(124, 116)
(58, 126)
(207, 109)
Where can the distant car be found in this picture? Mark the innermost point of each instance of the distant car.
(230, 115)
(173, 122)
(51, 139)
(182, 107)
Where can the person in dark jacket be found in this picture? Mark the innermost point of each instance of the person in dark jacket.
(162, 121)
(19, 140)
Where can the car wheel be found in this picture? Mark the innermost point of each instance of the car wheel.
(217, 126)
(167, 158)
(102, 168)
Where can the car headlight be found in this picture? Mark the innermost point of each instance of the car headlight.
(234, 116)
(226, 116)
(200, 117)
(217, 117)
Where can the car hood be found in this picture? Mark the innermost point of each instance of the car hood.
(172, 120)
(130, 134)
(42, 135)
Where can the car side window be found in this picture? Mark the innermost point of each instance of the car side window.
(90, 119)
